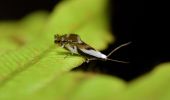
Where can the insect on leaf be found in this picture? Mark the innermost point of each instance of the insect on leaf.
(26, 69)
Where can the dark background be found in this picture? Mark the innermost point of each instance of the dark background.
(144, 23)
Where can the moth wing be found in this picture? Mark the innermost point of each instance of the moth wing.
(72, 48)
(89, 51)
(74, 38)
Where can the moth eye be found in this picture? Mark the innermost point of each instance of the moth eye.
(57, 41)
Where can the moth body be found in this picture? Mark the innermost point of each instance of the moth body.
(75, 45)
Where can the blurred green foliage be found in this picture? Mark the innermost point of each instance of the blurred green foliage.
(33, 68)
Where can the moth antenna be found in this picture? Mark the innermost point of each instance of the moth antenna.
(119, 61)
(117, 48)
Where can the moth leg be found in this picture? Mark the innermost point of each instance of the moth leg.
(87, 61)
(90, 59)
(62, 45)
(68, 55)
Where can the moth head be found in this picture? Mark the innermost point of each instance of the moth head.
(57, 39)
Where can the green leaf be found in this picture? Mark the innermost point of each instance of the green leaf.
(84, 86)
(20, 46)
(27, 67)
(33, 68)
(152, 86)
(16, 34)
(35, 49)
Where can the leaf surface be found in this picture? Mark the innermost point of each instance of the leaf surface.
(29, 67)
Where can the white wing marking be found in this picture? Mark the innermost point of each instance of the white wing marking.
(94, 53)
(72, 49)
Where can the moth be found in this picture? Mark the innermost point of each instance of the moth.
(74, 44)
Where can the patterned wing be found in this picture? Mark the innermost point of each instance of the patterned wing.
(73, 38)
(90, 52)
